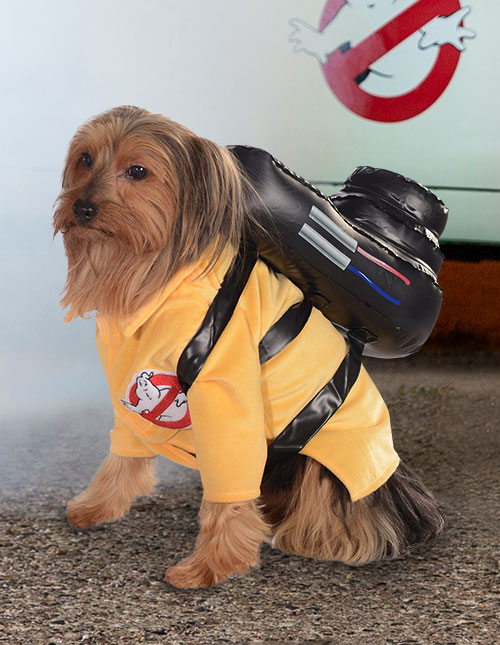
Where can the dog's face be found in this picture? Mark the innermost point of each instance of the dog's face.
(118, 183)
(141, 197)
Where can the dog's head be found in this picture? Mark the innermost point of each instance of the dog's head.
(141, 198)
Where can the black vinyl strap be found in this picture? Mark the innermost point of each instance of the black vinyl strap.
(198, 349)
(284, 330)
(195, 354)
(322, 407)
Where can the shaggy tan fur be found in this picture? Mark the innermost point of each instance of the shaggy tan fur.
(194, 194)
(229, 541)
(319, 526)
(116, 484)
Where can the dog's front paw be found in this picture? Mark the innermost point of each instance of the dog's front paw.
(82, 514)
(194, 572)
(186, 575)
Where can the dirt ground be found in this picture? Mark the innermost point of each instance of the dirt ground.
(105, 585)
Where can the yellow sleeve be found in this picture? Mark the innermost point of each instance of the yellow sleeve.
(125, 443)
(227, 416)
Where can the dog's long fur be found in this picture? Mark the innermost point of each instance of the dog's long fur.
(194, 200)
(119, 261)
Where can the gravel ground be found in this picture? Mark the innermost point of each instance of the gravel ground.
(105, 585)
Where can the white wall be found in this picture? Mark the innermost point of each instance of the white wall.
(225, 69)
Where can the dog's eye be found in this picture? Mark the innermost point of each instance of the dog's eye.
(137, 172)
(87, 160)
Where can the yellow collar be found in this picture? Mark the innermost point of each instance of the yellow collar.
(130, 324)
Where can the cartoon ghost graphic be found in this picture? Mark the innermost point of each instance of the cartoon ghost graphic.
(403, 67)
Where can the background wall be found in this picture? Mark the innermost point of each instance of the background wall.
(226, 70)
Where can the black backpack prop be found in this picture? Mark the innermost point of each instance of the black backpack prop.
(367, 257)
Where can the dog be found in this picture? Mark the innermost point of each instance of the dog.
(152, 216)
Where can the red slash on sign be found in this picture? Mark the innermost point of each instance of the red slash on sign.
(345, 66)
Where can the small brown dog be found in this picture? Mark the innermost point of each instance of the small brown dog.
(144, 201)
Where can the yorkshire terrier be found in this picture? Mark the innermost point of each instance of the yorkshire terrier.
(152, 217)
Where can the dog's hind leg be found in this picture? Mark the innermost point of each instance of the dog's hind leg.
(315, 516)
(228, 542)
(321, 522)
(117, 482)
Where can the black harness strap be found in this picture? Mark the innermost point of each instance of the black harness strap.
(198, 349)
(322, 407)
(284, 330)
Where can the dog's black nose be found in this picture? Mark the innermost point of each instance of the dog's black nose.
(84, 211)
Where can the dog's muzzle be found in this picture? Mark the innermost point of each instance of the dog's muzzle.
(84, 211)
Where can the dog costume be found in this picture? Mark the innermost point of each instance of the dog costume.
(236, 407)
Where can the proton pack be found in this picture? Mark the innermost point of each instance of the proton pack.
(368, 257)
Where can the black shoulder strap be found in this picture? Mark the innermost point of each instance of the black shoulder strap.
(322, 407)
(284, 330)
(319, 410)
(197, 351)
(195, 354)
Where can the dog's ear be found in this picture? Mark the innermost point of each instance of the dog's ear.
(209, 195)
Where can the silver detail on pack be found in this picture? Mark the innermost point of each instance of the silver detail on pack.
(416, 263)
(334, 229)
(316, 240)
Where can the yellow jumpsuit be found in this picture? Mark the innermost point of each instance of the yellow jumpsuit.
(237, 406)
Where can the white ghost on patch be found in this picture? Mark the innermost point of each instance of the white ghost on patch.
(149, 395)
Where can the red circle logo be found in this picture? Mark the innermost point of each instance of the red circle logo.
(158, 398)
(348, 66)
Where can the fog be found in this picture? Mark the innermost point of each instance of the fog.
(48, 363)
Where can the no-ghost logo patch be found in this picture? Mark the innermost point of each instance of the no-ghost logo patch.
(158, 397)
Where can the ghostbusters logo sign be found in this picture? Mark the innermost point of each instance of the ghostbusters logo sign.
(386, 60)
(158, 397)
